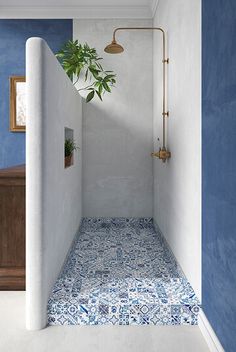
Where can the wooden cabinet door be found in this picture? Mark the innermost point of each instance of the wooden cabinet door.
(12, 228)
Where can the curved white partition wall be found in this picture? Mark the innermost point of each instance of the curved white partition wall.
(53, 209)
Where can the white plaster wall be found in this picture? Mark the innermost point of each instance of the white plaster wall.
(53, 193)
(117, 167)
(177, 184)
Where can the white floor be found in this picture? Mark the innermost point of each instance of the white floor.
(14, 337)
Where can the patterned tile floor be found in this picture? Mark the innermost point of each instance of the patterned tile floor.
(121, 271)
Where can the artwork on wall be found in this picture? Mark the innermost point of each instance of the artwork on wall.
(17, 104)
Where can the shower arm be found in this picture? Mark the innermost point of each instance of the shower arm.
(163, 153)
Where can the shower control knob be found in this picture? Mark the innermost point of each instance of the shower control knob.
(163, 154)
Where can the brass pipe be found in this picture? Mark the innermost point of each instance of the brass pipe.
(165, 155)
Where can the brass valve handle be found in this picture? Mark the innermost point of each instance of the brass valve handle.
(163, 154)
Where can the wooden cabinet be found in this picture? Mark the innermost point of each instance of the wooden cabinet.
(12, 228)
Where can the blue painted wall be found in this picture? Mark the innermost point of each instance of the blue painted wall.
(219, 167)
(13, 35)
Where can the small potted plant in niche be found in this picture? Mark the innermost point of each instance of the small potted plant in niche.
(70, 146)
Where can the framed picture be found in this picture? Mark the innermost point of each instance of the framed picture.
(17, 104)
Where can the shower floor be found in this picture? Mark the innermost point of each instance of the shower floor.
(121, 272)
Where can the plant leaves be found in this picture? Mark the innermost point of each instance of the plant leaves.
(106, 87)
(108, 77)
(90, 96)
(86, 75)
(82, 60)
(100, 89)
(99, 95)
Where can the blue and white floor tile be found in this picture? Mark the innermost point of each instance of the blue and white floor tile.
(121, 271)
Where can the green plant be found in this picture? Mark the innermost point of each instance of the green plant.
(81, 61)
(70, 146)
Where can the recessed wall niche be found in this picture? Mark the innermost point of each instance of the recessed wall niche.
(68, 147)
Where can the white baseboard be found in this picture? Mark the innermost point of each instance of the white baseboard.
(208, 333)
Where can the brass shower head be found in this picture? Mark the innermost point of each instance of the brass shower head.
(114, 48)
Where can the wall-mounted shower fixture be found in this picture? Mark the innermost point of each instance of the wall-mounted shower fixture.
(115, 48)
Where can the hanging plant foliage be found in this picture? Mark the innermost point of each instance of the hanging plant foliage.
(82, 63)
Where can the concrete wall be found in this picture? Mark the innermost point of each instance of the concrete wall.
(177, 184)
(219, 168)
(53, 193)
(13, 35)
(117, 169)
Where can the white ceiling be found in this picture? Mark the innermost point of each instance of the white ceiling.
(77, 8)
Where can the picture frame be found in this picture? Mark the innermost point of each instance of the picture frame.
(17, 104)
